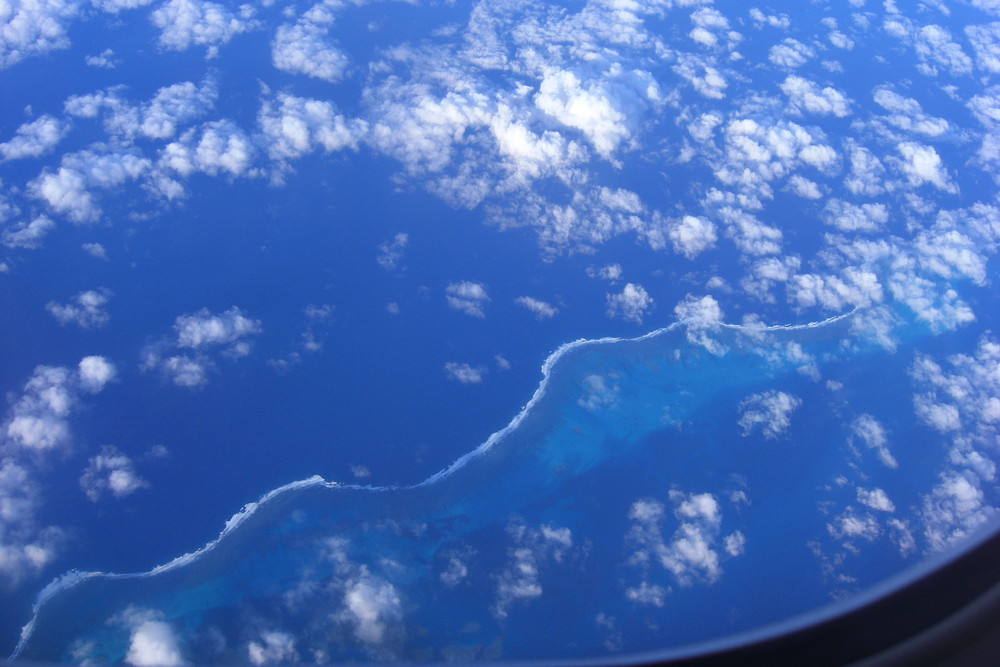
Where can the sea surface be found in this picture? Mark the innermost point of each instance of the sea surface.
(630, 499)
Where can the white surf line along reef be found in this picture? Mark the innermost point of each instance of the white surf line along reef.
(74, 577)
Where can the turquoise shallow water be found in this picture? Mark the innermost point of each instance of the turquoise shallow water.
(635, 499)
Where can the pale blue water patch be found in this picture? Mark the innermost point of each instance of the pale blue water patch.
(540, 520)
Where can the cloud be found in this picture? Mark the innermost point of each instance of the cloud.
(803, 187)
(370, 604)
(34, 27)
(218, 146)
(464, 373)
(848, 217)
(273, 648)
(25, 549)
(692, 235)
(935, 48)
(110, 471)
(760, 19)
(39, 419)
(205, 328)
(532, 549)
(306, 48)
(907, 114)
(875, 499)
(152, 641)
(87, 311)
(598, 394)
(691, 554)
(95, 250)
(94, 372)
(35, 138)
(854, 287)
(922, 164)
(105, 59)
(770, 410)
(701, 316)
(390, 252)
(600, 107)
(541, 309)
(69, 190)
(850, 525)
(202, 332)
(467, 297)
(874, 436)
(28, 235)
(705, 79)
(952, 510)
(790, 53)
(631, 304)
(183, 23)
(985, 40)
(804, 95)
(611, 272)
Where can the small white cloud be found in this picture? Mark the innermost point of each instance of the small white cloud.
(985, 40)
(875, 499)
(611, 272)
(95, 372)
(35, 138)
(87, 310)
(28, 235)
(274, 648)
(95, 250)
(183, 23)
(770, 410)
(849, 217)
(185, 371)
(391, 252)
(204, 328)
(216, 147)
(875, 438)
(306, 48)
(935, 47)
(541, 309)
(804, 95)
(532, 549)
(803, 187)
(370, 605)
(105, 59)
(464, 373)
(152, 642)
(110, 471)
(701, 316)
(631, 304)
(39, 419)
(692, 235)
(467, 297)
(922, 164)
(790, 53)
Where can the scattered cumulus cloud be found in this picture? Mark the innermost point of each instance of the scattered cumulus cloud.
(467, 297)
(306, 48)
(631, 304)
(541, 309)
(34, 139)
(184, 23)
(110, 472)
(391, 252)
(532, 549)
(770, 411)
(203, 333)
(464, 373)
(85, 311)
